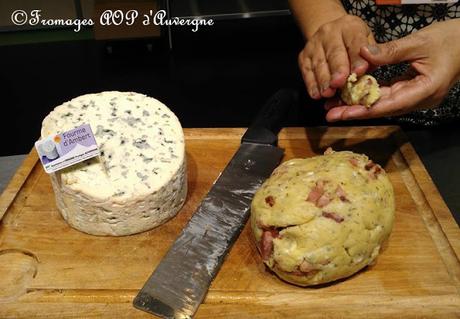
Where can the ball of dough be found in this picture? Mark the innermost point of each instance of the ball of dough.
(319, 219)
(360, 91)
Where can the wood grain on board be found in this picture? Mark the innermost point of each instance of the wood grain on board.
(49, 270)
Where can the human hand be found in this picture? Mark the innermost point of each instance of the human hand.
(434, 56)
(332, 53)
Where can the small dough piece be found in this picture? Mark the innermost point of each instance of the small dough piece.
(360, 91)
(324, 218)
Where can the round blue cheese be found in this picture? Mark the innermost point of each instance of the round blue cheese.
(138, 181)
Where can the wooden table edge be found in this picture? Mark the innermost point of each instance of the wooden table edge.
(17, 181)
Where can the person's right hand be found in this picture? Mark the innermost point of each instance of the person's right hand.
(332, 53)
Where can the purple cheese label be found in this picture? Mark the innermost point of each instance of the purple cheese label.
(66, 149)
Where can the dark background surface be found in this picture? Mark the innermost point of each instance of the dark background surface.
(217, 77)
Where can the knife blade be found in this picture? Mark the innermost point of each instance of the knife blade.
(181, 280)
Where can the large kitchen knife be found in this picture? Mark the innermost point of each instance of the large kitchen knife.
(180, 282)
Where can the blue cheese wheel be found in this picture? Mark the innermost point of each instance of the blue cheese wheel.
(139, 180)
(324, 218)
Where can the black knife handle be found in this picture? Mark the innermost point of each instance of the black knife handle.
(269, 120)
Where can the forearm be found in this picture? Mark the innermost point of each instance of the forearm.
(312, 14)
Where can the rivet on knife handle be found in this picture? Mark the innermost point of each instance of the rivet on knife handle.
(180, 282)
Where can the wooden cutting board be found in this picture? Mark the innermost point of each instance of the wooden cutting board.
(49, 270)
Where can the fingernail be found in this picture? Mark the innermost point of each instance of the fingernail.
(324, 86)
(373, 49)
(336, 75)
(314, 93)
(357, 64)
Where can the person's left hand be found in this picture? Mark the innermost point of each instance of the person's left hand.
(434, 56)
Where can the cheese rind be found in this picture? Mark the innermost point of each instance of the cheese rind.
(139, 180)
